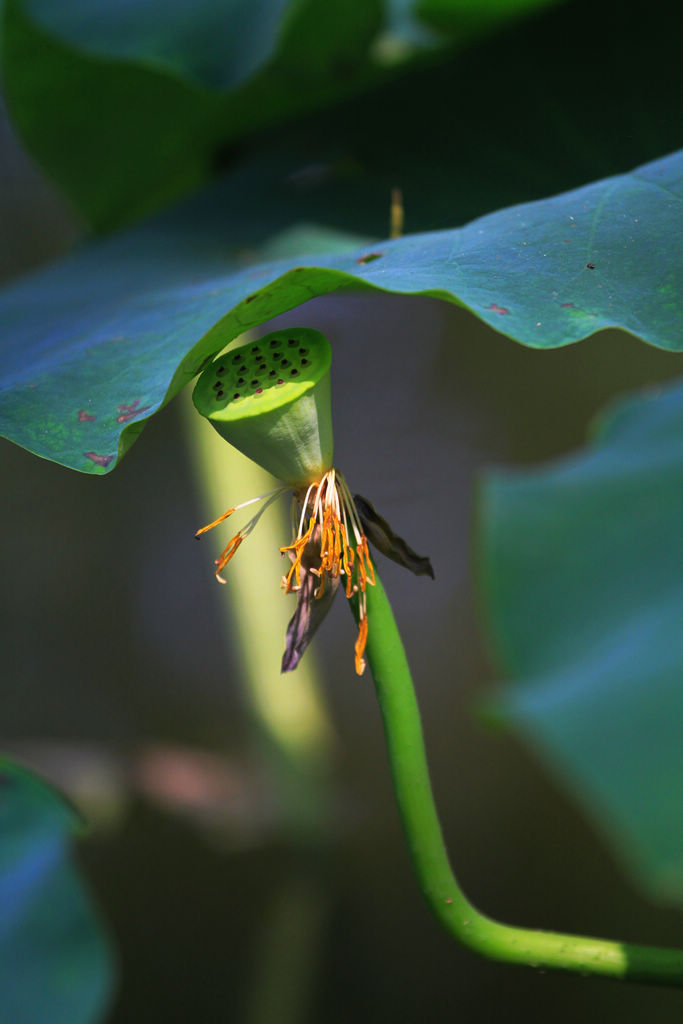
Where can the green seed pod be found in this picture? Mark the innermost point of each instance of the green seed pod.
(271, 399)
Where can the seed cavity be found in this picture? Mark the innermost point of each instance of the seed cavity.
(266, 366)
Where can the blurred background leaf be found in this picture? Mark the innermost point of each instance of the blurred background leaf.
(218, 45)
(583, 587)
(109, 336)
(56, 964)
(222, 43)
(493, 117)
(127, 111)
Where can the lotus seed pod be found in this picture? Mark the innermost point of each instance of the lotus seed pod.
(271, 399)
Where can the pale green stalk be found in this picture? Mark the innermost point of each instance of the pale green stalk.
(445, 898)
(287, 711)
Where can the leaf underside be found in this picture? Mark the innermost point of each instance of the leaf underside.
(95, 345)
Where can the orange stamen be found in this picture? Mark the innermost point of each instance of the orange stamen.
(337, 547)
(320, 589)
(216, 522)
(343, 546)
(365, 572)
(299, 546)
(228, 553)
(360, 645)
(368, 563)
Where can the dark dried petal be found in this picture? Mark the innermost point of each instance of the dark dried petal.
(381, 536)
(310, 612)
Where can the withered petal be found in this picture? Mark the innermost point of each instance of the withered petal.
(310, 612)
(381, 536)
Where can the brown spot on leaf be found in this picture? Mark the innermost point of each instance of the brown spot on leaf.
(590, 266)
(567, 305)
(129, 412)
(498, 309)
(84, 417)
(99, 460)
(250, 298)
(369, 257)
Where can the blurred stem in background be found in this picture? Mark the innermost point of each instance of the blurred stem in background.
(292, 732)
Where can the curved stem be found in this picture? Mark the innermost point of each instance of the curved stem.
(445, 898)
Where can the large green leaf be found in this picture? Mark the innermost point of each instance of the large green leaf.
(94, 346)
(583, 586)
(54, 958)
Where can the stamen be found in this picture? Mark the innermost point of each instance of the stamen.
(214, 523)
(252, 501)
(229, 551)
(369, 571)
(299, 546)
(328, 507)
(304, 507)
(234, 544)
(359, 647)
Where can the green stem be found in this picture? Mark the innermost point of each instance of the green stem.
(402, 727)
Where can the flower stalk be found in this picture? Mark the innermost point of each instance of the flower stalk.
(439, 886)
